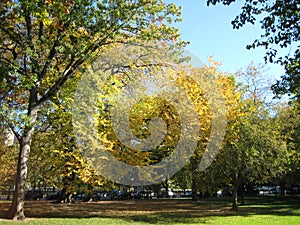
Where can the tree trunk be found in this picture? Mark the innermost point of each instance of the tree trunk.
(243, 199)
(235, 197)
(282, 190)
(16, 211)
(235, 184)
(69, 198)
(89, 197)
(242, 192)
(65, 197)
(8, 194)
(195, 177)
(167, 188)
(292, 190)
(194, 188)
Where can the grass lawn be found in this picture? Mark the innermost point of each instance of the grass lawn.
(259, 210)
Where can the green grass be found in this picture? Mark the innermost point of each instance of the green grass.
(259, 210)
(230, 220)
(256, 219)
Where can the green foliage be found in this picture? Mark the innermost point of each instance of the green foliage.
(55, 157)
(280, 21)
(287, 117)
(44, 42)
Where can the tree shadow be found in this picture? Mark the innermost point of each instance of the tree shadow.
(157, 211)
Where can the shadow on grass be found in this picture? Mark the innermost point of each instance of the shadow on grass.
(167, 211)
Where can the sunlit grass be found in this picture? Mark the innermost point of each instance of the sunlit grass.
(230, 220)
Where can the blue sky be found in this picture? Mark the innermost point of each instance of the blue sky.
(210, 32)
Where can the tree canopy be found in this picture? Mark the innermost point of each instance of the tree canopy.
(44, 42)
(280, 22)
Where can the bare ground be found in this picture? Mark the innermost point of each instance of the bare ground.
(155, 210)
(46, 209)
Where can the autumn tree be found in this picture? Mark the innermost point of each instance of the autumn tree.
(280, 22)
(151, 106)
(8, 161)
(227, 86)
(43, 43)
(55, 158)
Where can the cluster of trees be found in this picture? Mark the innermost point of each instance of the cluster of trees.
(260, 148)
(45, 45)
(45, 42)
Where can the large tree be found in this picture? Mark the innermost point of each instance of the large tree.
(55, 158)
(254, 149)
(280, 21)
(254, 145)
(287, 117)
(231, 97)
(44, 42)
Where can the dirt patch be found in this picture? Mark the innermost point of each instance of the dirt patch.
(157, 211)
(46, 209)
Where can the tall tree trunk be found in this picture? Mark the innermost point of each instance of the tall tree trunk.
(167, 188)
(8, 194)
(235, 191)
(16, 211)
(292, 190)
(89, 197)
(235, 198)
(282, 190)
(195, 177)
(165, 185)
(194, 188)
(242, 192)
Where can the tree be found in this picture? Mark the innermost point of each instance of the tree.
(254, 152)
(44, 42)
(55, 158)
(191, 175)
(231, 98)
(253, 147)
(255, 84)
(288, 171)
(280, 21)
(142, 112)
(8, 161)
(182, 179)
